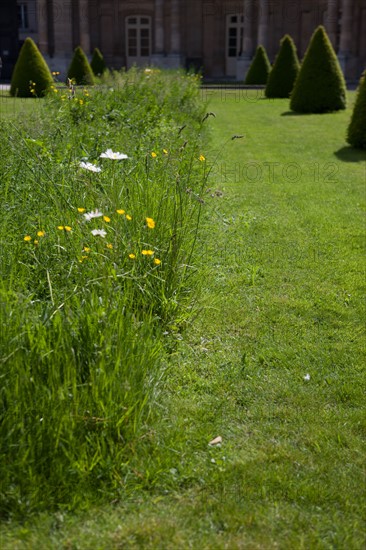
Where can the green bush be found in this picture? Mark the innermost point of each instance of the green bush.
(284, 71)
(97, 63)
(31, 76)
(320, 86)
(80, 71)
(259, 69)
(356, 134)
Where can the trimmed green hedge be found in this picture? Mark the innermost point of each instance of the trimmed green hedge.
(97, 63)
(31, 75)
(80, 71)
(320, 86)
(259, 69)
(356, 134)
(285, 69)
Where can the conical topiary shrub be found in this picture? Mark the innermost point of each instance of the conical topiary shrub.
(356, 134)
(97, 63)
(320, 86)
(259, 69)
(284, 71)
(31, 75)
(80, 71)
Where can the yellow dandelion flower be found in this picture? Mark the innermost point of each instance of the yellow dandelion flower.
(81, 210)
(165, 151)
(110, 246)
(86, 249)
(106, 219)
(157, 261)
(150, 223)
(128, 217)
(153, 154)
(27, 238)
(132, 256)
(83, 258)
(202, 158)
(120, 212)
(41, 233)
(147, 252)
(60, 227)
(67, 228)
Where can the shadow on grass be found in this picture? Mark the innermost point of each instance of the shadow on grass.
(293, 113)
(6, 94)
(350, 154)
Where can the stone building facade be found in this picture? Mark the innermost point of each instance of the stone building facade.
(8, 36)
(219, 36)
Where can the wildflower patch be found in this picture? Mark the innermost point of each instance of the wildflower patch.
(98, 237)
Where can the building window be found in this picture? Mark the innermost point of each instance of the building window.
(138, 37)
(234, 34)
(23, 16)
(233, 41)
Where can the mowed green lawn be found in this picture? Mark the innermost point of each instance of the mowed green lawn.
(274, 363)
(12, 107)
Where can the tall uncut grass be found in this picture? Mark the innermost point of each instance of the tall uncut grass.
(96, 272)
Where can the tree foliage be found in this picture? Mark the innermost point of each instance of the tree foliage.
(284, 71)
(80, 71)
(97, 63)
(356, 134)
(259, 69)
(31, 75)
(320, 86)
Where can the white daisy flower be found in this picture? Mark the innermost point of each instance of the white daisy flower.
(100, 232)
(90, 166)
(307, 377)
(109, 154)
(94, 214)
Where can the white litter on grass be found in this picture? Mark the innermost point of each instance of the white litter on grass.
(216, 442)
